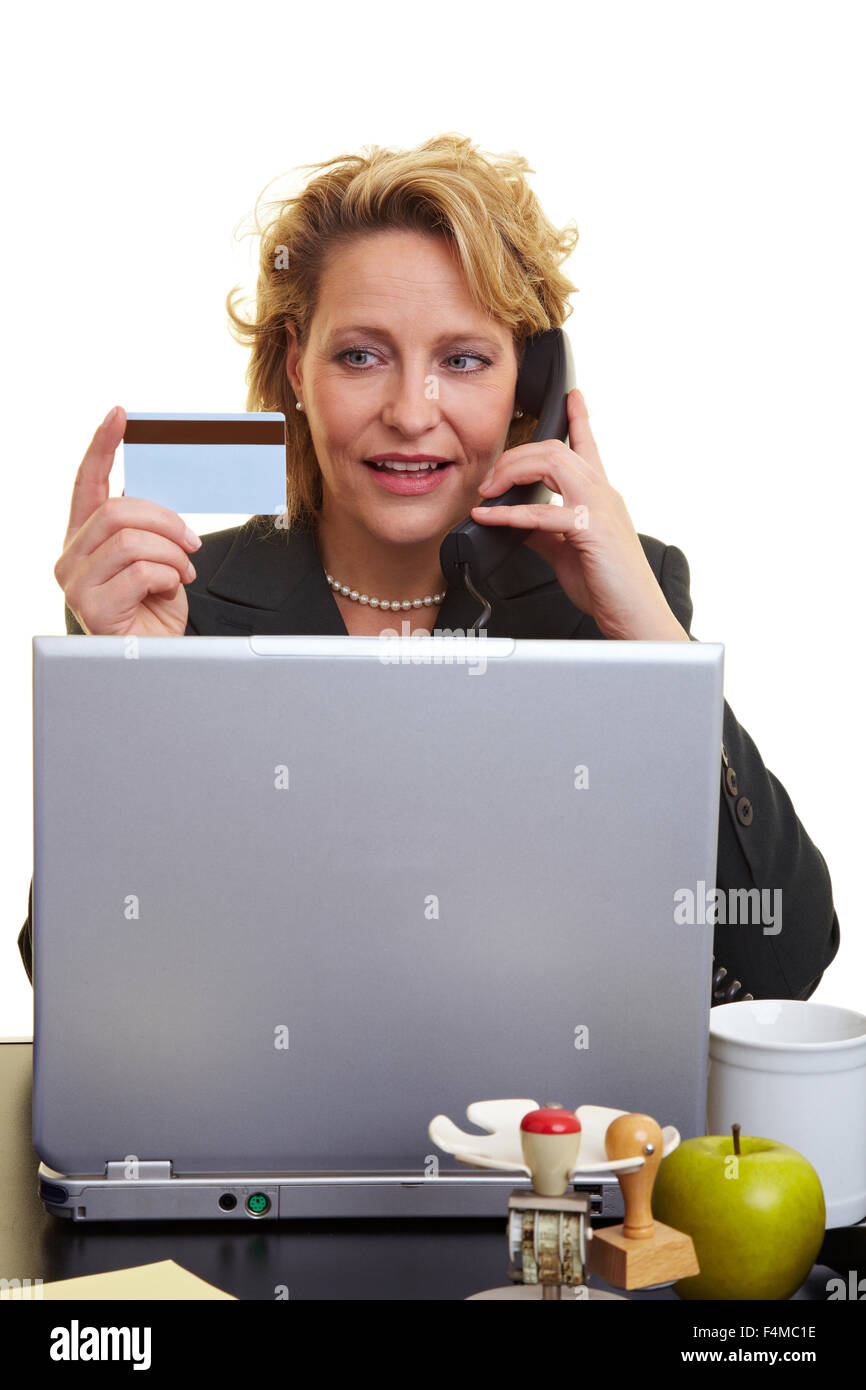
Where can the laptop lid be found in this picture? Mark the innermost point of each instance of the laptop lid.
(294, 896)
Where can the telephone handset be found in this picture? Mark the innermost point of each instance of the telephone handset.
(471, 551)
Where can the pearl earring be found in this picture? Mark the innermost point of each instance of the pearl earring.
(518, 415)
(299, 405)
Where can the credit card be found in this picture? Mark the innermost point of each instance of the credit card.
(207, 463)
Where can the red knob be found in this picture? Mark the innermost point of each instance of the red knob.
(550, 1120)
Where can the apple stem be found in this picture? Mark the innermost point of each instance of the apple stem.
(736, 1129)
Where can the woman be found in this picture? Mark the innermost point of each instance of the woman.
(395, 294)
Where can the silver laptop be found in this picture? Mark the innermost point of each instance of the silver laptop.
(295, 896)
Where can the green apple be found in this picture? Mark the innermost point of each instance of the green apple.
(756, 1218)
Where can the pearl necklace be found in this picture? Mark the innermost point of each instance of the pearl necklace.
(426, 602)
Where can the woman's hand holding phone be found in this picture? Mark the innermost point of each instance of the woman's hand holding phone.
(598, 558)
(125, 560)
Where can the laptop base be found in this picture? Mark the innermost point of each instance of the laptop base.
(296, 1196)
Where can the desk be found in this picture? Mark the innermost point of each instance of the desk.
(358, 1260)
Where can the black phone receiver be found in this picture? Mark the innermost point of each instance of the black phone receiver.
(471, 551)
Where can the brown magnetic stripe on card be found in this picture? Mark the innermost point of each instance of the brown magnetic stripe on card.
(205, 432)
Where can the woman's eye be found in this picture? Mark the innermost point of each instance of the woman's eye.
(467, 357)
(354, 352)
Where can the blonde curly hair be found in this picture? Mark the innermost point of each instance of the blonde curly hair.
(509, 251)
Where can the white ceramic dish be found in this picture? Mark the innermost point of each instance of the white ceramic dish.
(500, 1147)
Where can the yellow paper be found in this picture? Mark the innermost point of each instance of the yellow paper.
(164, 1279)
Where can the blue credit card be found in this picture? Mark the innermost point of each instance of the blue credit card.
(207, 463)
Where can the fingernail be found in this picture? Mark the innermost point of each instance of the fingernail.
(190, 572)
(192, 539)
(110, 416)
(485, 480)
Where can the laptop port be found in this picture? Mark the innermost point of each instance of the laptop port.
(228, 1201)
(258, 1203)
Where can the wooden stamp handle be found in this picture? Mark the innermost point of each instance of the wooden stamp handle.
(627, 1137)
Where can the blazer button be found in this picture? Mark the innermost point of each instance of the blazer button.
(744, 811)
(731, 781)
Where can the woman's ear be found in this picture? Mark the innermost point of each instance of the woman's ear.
(293, 360)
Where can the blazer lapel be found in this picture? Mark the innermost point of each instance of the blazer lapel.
(268, 584)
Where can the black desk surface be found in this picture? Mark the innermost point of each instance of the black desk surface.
(363, 1259)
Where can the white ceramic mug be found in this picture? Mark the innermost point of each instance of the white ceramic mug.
(795, 1071)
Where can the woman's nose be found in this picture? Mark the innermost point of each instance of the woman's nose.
(412, 403)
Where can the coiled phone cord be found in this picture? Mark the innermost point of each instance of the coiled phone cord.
(482, 619)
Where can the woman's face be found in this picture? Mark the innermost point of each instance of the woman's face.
(399, 361)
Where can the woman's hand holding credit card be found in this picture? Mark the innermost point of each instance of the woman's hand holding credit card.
(126, 559)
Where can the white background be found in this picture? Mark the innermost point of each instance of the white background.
(712, 157)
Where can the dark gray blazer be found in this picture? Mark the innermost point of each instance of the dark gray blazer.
(251, 581)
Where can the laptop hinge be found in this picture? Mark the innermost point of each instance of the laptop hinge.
(138, 1169)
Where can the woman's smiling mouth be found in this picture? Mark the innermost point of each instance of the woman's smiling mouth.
(408, 473)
